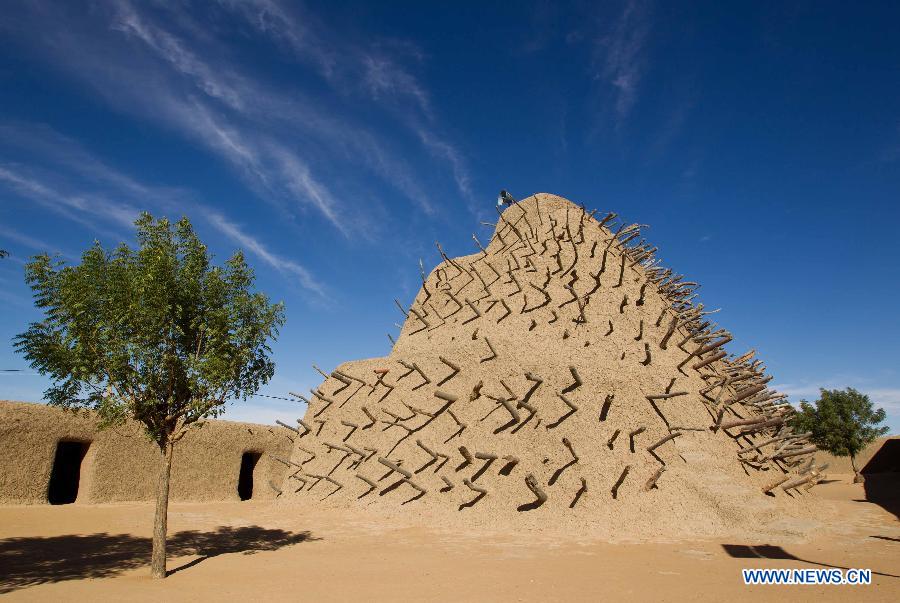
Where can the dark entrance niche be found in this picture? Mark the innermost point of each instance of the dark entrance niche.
(245, 479)
(66, 472)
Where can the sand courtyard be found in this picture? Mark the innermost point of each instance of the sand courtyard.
(283, 550)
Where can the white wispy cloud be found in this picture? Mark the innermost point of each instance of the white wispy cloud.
(384, 77)
(889, 398)
(64, 152)
(300, 36)
(257, 248)
(33, 243)
(66, 178)
(161, 64)
(345, 67)
(620, 58)
(299, 180)
(395, 169)
(341, 61)
(353, 69)
(182, 59)
(884, 397)
(266, 158)
(89, 209)
(261, 411)
(441, 148)
(291, 151)
(17, 300)
(273, 169)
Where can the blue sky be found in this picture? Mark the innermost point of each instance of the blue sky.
(336, 142)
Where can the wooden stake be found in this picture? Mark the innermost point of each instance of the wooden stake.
(651, 483)
(615, 488)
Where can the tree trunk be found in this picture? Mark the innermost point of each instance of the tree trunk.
(160, 521)
(857, 476)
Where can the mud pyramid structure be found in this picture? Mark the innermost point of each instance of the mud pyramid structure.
(558, 376)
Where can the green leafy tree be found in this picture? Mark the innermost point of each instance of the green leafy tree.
(843, 422)
(156, 334)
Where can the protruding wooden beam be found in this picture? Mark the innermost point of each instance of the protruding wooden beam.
(445, 396)
(577, 380)
(710, 360)
(394, 467)
(666, 396)
(607, 402)
(532, 484)
(651, 483)
(286, 426)
(454, 368)
(618, 484)
(611, 442)
(663, 440)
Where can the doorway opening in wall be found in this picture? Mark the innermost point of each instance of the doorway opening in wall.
(245, 479)
(66, 473)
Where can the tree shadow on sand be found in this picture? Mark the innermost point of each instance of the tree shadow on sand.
(30, 561)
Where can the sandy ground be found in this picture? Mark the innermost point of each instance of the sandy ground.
(266, 550)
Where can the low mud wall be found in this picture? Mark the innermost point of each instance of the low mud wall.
(121, 464)
(841, 464)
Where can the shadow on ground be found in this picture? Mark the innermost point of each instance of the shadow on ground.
(769, 551)
(883, 489)
(31, 561)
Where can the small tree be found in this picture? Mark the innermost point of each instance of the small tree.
(841, 422)
(156, 335)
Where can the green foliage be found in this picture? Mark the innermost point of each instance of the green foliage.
(843, 422)
(155, 334)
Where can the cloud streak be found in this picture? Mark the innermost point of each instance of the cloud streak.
(620, 58)
(885, 397)
(257, 248)
(48, 145)
(35, 244)
(273, 170)
(354, 69)
(76, 207)
(295, 152)
(92, 209)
